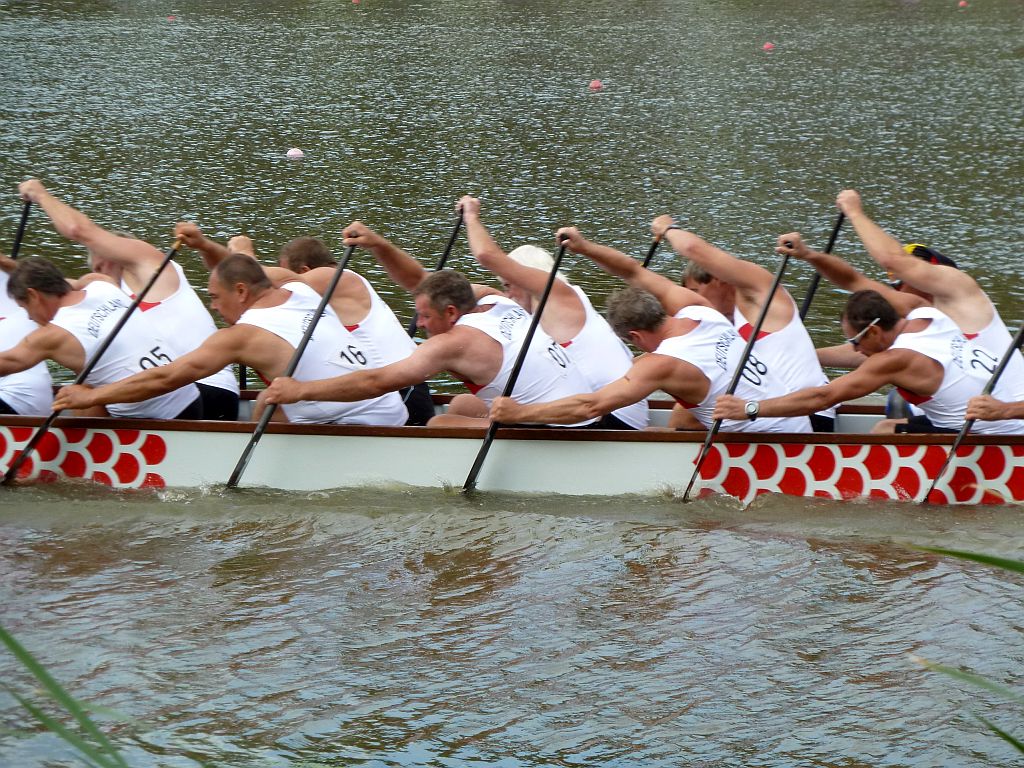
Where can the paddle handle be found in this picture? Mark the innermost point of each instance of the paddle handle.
(716, 425)
(805, 307)
(492, 428)
(650, 253)
(969, 423)
(90, 364)
(411, 330)
(268, 413)
(19, 235)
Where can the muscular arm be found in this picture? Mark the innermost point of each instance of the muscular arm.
(213, 354)
(987, 408)
(402, 268)
(646, 376)
(211, 252)
(840, 356)
(672, 296)
(428, 359)
(843, 275)
(33, 349)
(902, 367)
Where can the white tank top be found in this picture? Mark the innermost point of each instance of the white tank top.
(380, 333)
(987, 348)
(332, 351)
(789, 353)
(183, 319)
(136, 348)
(548, 373)
(715, 348)
(29, 392)
(945, 343)
(602, 358)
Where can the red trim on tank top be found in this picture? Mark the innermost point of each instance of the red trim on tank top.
(352, 328)
(474, 388)
(565, 344)
(685, 404)
(972, 336)
(745, 330)
(146, 305)
(912, 397)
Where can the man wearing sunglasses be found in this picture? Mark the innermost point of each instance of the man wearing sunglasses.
(925, 355)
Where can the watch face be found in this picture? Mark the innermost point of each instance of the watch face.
(751, 409)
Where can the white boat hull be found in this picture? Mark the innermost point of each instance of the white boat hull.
(151, 454)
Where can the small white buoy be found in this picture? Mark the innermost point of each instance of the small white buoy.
(295, 153)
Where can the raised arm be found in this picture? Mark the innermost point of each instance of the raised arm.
(672, 296)
(402, 268)
(946, 284)
(190, 234)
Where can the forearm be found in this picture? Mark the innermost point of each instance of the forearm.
(568, 410)
(212, 253)
(482, 245)
(70, 223)
(838, 272)
(610, 260)
(402, 268)
(803, 402)
(840, 356)
(141, 386)
(359, 385)
(880, 245)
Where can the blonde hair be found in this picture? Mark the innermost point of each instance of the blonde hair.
(536, 258)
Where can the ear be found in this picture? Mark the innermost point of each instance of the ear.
(451, 313)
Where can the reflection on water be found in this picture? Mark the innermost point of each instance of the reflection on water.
(425, 629)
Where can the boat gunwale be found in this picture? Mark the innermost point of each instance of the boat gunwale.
(511, 433)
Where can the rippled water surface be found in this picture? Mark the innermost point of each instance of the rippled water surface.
(389, 628)
(427, 629)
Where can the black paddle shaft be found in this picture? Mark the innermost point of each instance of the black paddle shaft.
(716, 425)
(20, 234)
(411, 330)
(969, 423)
(268, 413)
(805, 307)
(513, 376)
(90, 364)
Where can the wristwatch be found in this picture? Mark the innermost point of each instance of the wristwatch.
(752, 408)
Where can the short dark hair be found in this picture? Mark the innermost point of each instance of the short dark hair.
(446, 287)
(634, 309)
(697, 273)
(239, 268)
(39, 274)
(302, 252)
(863, 307)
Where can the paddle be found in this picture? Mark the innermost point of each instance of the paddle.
(411, 330)
(806, 306)
(261, 427)
(1014, 345)
(22, 457)
(717, 423)
(20, 234)
(470, 483)
(650, 252)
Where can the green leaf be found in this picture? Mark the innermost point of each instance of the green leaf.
(89, 753)
(998, 562)
(967, 677)
(1002, 734)
(58, 693)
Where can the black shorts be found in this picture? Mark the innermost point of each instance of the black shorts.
(193, 411)
(920, 425)
(6, 410)
(419, 403)
(218, 404)
(821, 423)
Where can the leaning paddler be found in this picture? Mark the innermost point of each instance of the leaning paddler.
(265, 326)
(739, 289)
(925, 355)
(75, 323)
(475, 339)
(358, 306)
(171, 302)
(569, 317)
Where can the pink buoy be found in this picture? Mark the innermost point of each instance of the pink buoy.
(170, 18)
(963, 3)
(768, 47)
(596, 85)
(295, 153)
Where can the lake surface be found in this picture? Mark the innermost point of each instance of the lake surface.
(388, 628)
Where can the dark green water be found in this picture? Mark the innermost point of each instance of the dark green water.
(385, 628)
